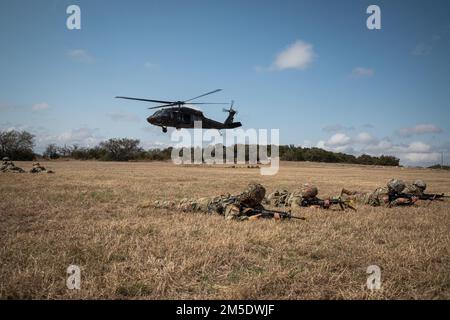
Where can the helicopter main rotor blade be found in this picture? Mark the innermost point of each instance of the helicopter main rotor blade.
(164, 105)
(205, 94)
(207, 103)
(147, 100)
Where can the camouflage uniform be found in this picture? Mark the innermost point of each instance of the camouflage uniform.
(37, 168)
(8, 166)
(205, 205)
(278, 198)
(379, 197)
(232, 207)
(284, 198)
(416, 188)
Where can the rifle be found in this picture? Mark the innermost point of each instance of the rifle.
(426, 196)
(255, 213)
(433, 196)
(343, 204)
(396, 195)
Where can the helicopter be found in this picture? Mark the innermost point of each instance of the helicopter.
(175, 114)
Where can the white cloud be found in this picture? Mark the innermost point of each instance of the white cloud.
(40, 106)
(338, 139)
(154, 145)
(365, 138)
(413, 153)
(414, 158)
(306, 144)
(36, 130)
(83, 137)
(361, 72)
(382, 146)
(298, 55)
(80, 55)
(321, 144)
(419, 129)
(418, 146)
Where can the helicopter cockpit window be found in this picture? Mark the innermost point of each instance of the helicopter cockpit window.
(165, 113)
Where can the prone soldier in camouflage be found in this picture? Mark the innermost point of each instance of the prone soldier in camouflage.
(380, 196)
(278, 198)
(37, 168)
(9, 166)
(417, 188)
(232, 207)
(296, 199)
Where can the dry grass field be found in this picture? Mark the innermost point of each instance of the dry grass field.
(91, 214)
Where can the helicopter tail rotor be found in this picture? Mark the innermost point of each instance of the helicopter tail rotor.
(231, 110)
(231, 113)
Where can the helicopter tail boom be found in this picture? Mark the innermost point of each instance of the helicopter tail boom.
(233, 125)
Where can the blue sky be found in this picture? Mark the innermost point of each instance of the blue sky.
(310, 68)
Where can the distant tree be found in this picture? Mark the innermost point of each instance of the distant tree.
(388, 161)
(366, 159)
(121, 149)
(128, 149)
(438, 166)
(64, 151)
(17, 145)
(51, 152)
(293, 153)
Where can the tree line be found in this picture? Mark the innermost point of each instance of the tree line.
(18, 145)
(293, 153)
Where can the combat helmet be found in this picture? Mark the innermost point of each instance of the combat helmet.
(253, 195)
(420, 184)
(309, 191)
(5, 159)
(396, 185)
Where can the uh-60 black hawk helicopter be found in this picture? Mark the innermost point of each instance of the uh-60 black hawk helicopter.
(175, 114)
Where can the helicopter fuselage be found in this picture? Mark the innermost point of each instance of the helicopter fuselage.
(184, 117)
(175, 114)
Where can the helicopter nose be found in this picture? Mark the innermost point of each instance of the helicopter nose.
(151, 120)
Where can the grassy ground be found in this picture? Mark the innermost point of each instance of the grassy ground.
(91, 214)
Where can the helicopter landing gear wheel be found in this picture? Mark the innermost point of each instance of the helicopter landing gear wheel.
(164, 129)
